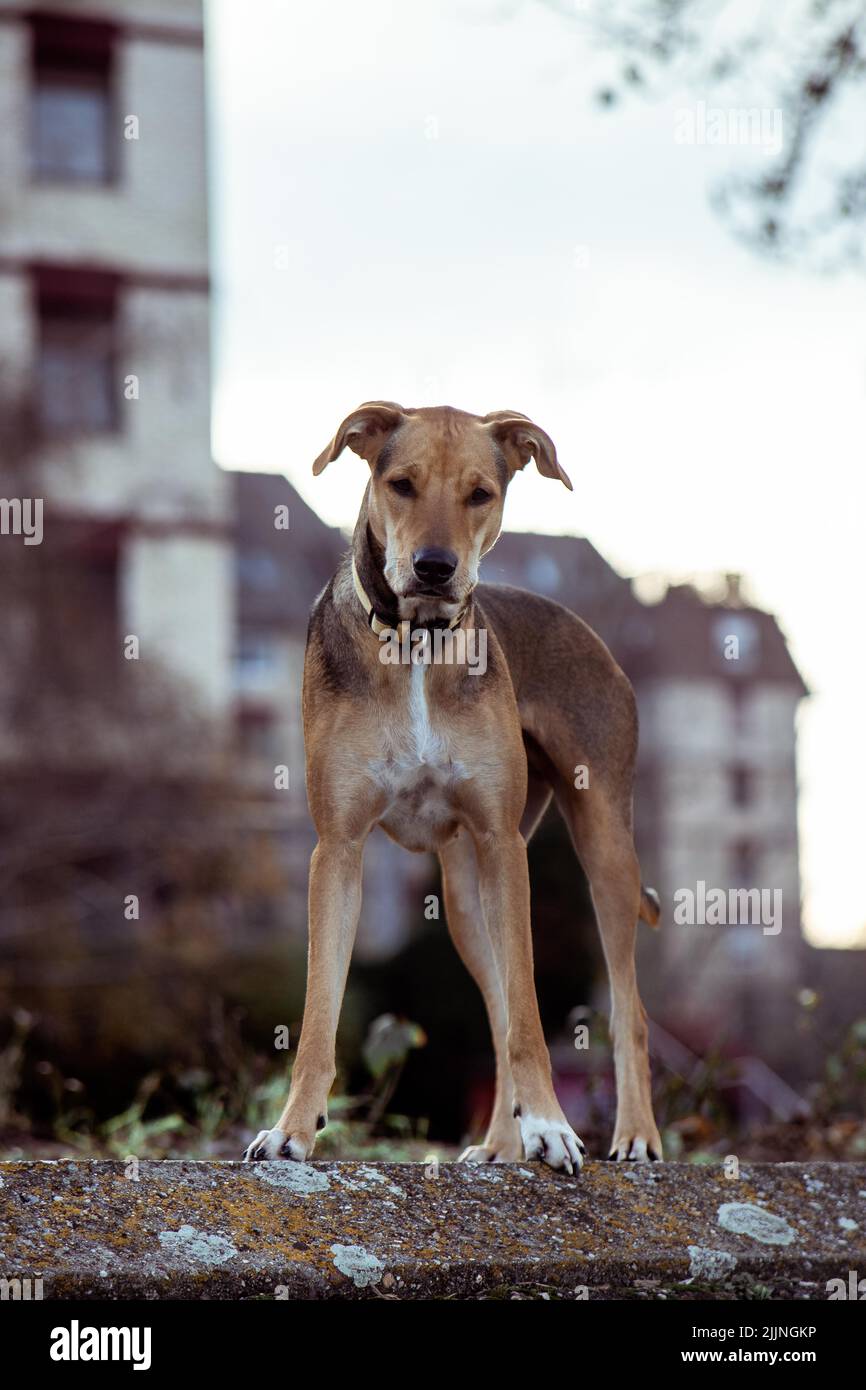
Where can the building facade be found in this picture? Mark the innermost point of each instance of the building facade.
(716, 817)
(104, 322)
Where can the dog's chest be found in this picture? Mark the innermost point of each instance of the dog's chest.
(418, 772)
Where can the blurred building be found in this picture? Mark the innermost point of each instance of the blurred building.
(716, 804)
(570, 570)
(104, 325)
(285, 555)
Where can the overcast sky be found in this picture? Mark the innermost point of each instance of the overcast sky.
(422, 202)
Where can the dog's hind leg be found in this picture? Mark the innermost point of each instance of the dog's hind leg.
(603, 840)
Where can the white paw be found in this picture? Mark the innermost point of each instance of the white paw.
(553, 1141)
(635, 1150)
(270, 1144)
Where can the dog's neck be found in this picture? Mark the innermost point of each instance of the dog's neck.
(368, 557)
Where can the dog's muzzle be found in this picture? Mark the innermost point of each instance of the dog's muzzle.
(392, 622)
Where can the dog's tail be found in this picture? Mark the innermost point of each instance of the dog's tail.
(650, 907)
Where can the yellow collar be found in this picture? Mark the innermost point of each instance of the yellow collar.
(403, 628)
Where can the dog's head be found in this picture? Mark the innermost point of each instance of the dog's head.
(438, 479)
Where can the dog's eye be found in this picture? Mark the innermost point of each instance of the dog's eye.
(402, 486)
(480, 496)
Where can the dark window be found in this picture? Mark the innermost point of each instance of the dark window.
(77, 369)
(259, 570)
(70, 599)
(741, 696)
(744, 865)
(742, 786)
(258, 734)
(256, 663)
(737, 639)
(72, 109)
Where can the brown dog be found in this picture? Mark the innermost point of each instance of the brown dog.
(445, 758)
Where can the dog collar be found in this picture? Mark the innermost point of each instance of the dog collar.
(403, 626)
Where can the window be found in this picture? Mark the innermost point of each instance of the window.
(70, 128)
(741, 698)
(745, 865)
(742, 786)
(72, 112)
(258, 735)
(78, 618)
(259, 570)
(76, 374)
(543, 574)
(257, 663)
(738, 639)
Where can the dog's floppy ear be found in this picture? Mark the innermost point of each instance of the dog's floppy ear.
(521, 440)
(364, 432)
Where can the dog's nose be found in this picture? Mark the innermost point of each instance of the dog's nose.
(433, 565)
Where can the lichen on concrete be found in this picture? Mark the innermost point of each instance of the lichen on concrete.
(710, 1264)
(296, 1177)
(748, 1220)
(358, 1230)
(197, 1246)
(358, 1264)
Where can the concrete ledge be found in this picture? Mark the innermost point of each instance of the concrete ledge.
(112, 1230)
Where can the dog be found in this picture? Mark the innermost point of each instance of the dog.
(444, 758)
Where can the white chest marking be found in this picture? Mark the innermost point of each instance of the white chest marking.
(428, 746)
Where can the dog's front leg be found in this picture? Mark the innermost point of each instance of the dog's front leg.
(504, 883)
(335, 904)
